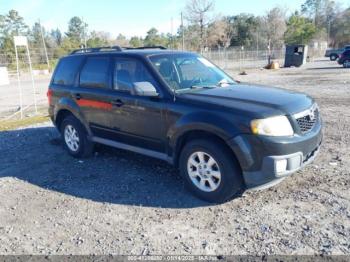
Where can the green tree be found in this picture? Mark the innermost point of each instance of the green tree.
(340, 29)
(136, 41)
(197, 12)
(14, 24)
(300, 30)
(121, 40)
(153, 38)
(35, 34)
(56, 36)
(243, 27)
(77, 31)
(11, 24)
(322, 13)
(98, 39)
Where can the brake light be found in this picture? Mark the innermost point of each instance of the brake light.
(49, 95)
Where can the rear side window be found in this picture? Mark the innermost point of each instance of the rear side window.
(95, 72)
(67, 70)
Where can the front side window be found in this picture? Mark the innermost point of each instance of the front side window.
(95, 72)
(128, 71)
(184, 72)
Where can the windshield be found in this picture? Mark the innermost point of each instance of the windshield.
(188, 72)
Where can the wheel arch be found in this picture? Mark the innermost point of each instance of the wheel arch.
(199, 125)
(67, 107)
(195, 134)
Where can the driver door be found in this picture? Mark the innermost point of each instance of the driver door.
(136, 120)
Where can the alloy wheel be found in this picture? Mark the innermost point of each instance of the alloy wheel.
(71, 138)
(204, 171)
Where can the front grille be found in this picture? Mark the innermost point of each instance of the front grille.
(306, 120)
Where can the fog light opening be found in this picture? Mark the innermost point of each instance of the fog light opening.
(281, 165)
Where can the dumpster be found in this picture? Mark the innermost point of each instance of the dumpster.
(295, 55)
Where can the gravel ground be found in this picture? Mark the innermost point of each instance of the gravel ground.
(122, 203)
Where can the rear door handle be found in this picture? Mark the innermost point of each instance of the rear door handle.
(117, 103)
(77, 96)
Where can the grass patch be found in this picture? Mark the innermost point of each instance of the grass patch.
(13, 124)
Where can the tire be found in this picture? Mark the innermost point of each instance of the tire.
(74, 138)
(346, 64)
(333, 57)
(223, 187)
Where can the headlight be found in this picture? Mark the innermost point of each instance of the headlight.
(272, 126)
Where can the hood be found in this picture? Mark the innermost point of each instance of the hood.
(261, 100)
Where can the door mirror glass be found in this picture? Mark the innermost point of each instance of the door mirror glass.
(144, 89)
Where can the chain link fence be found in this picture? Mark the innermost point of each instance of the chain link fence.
(239, 60)
(232, 59)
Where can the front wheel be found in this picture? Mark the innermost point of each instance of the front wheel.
(346, 64)
(333, 57)
(210, 170)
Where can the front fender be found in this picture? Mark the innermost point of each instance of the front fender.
(201, 121)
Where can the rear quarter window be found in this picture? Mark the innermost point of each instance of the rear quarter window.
(67, 70)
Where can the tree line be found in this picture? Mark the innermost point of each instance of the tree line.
(316, 20)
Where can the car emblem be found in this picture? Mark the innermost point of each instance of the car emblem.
(312, 115)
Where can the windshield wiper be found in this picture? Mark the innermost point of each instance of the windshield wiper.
(224, 82)
(206, 87)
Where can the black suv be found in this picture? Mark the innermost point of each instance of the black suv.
(344, 59)
(223, 136)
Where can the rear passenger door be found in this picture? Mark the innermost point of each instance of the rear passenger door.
(136, 120)
(94, 93)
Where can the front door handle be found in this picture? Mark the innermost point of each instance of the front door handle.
(117, 103)
(77, 96)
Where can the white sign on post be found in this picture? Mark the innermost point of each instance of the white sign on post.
(20, 41)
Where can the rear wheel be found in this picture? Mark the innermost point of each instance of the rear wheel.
(333, 57)
(74, 137)
(346, 64)
(210, 170)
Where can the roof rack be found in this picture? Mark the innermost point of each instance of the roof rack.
(113, 48)
(146, 47)
(97, 49)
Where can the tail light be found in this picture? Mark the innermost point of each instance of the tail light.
(49, 96)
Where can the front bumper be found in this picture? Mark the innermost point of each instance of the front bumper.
(266, 161)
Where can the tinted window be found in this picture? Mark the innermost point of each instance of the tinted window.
(67, 70)
(95, 72)
(127, 71)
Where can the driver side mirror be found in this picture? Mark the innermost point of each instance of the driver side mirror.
(144, 89)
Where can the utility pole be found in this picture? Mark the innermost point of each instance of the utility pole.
(84, 31)
(257, 44)
(44, 44)
(172, 33)
(183, 32)
(329, 33)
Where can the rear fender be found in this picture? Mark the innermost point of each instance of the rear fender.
(65, 103)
